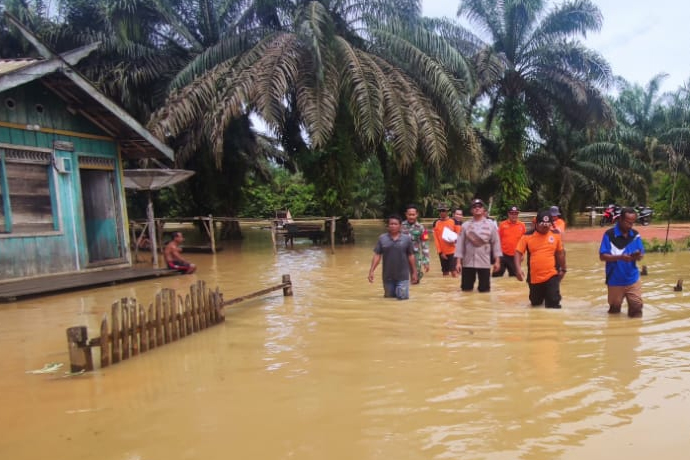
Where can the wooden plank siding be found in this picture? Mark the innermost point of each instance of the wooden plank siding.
(28, 98)
(62, 248)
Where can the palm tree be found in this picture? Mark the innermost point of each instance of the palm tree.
(582, 171)
(641, 116)
(545, 71)
(319, 63)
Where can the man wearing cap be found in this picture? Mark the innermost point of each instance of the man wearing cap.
(479, 237)
(420, 240)
(545, 262)
(445, 236)
(558, 222)
(509, 232)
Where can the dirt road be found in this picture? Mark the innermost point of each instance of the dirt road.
(658, 231)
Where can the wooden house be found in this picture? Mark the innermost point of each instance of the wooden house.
(62, 146)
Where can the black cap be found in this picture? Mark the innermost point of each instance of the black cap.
(476, 202)
(544, 217)
(513, 209)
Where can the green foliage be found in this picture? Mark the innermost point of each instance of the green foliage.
(514, 186)
(368, 196)
(664, 190)
(284, 191)
(656, 245)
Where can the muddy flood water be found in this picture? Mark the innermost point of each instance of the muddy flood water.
(336, 372)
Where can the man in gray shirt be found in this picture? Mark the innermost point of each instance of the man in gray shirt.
(477, 244)
(397, 253)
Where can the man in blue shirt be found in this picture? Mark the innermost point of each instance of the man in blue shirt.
(621, 248)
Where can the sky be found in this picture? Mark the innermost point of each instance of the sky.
(639, 38)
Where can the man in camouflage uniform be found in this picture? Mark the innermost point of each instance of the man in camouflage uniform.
(420, 240)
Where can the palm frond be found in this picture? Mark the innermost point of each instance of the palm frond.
(228, 47)
(317, 100)
(571, 18)
(450, 93)
(361, 89)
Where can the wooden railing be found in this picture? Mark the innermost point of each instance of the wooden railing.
(131, 329)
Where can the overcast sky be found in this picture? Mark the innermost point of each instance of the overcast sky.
(639, 38)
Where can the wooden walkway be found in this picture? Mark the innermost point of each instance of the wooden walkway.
(46, 285)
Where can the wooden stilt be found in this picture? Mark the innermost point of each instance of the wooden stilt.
(79, 352)
(105, 342)
(115, 322)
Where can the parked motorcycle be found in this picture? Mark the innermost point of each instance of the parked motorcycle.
(644, 214)
(610, 214)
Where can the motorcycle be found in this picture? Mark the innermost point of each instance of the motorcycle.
(610, 214)
(644, 215)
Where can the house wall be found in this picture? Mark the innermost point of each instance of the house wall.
(65, 248)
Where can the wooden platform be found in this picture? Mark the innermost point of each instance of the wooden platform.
(294, 230)
(202, 249)
(47, 285)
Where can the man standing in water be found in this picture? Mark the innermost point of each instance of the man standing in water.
(398, 261)
(545, 262)
(473, 251)
(445, 236)
(420, 240)
(621, 248)
(509, 232)
(173, 255)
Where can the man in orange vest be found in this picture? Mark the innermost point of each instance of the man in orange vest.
(445, 236)
(558, 222)
(545, 262)
(509, 231)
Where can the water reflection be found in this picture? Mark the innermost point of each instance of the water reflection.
(338, 372)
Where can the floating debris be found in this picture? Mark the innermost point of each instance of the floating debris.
(678, 286)
(49, 368)
(643, 272)
(74, 374)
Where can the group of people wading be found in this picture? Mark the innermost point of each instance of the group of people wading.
(480, 248)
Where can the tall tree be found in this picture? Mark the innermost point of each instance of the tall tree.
(310, 67)
(545, 71)
(581, 171)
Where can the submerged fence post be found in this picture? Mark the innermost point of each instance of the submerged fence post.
(79, 351)
(287, 290)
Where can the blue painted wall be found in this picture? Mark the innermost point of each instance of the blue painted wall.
(66, 249)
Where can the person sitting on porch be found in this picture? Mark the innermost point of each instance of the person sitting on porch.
(173, 255)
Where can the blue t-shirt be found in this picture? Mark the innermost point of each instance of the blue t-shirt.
(620, 272)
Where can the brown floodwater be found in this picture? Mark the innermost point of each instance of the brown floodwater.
(337, 372)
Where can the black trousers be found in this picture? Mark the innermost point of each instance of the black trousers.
(447, 264)
(469, 274)
(548, 292)
(507, 262)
